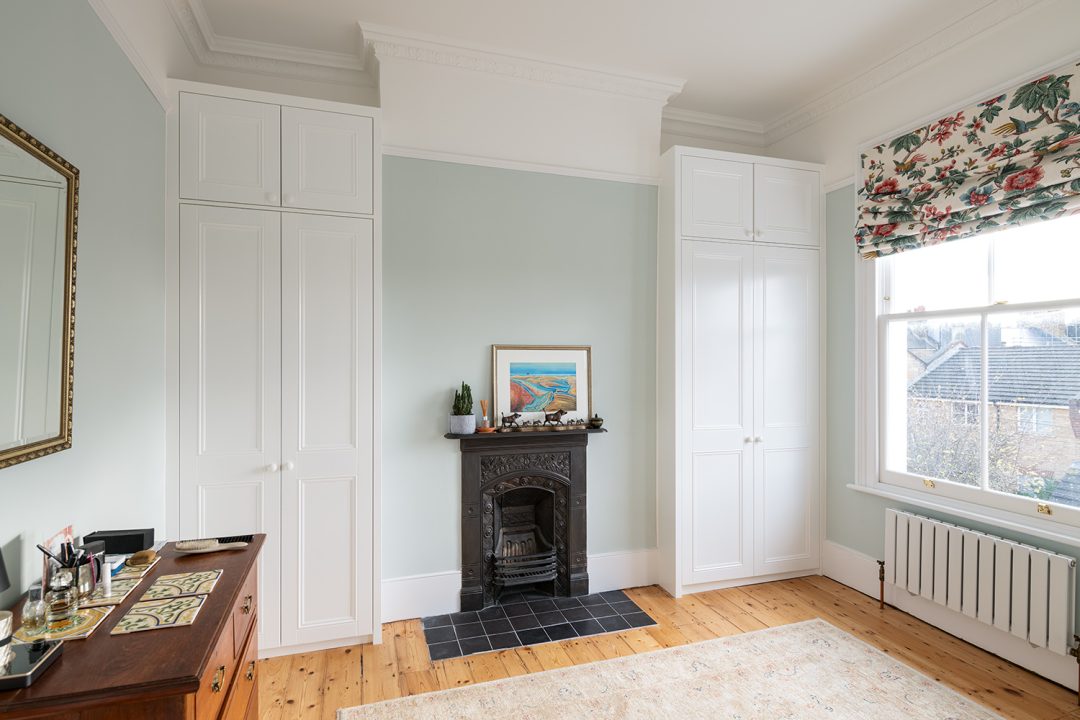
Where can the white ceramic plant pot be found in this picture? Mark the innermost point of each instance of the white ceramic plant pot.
(462, 424)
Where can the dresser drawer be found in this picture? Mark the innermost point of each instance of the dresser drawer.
(217, 679)
(243, 613)
(246, 682)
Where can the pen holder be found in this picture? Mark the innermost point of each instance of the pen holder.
(88, 576)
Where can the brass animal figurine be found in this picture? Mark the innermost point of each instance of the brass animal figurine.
(554, 418)
(509, 421)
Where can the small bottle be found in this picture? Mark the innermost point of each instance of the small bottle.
(33, 614)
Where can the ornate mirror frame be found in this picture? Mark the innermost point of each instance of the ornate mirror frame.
(62, 441)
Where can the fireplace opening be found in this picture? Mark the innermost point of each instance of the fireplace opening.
(524, 550)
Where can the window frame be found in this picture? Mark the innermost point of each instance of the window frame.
(980, 504)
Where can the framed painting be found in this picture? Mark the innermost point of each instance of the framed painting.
(536, 379)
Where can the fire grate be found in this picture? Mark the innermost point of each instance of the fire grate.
(522, 556)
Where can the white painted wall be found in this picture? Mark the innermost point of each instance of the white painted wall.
(1031, 40)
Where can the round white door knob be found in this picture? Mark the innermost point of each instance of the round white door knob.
(288, 466)
(272, 197)
(272, 467)
(758, 439)
(759, 233)
(746, 439)
(290, 199)
(748, 232)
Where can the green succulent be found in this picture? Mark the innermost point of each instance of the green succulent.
(463, 400)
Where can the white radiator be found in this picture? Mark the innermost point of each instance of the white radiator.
(1016, 588)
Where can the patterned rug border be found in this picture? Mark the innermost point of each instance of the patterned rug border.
(340, 713)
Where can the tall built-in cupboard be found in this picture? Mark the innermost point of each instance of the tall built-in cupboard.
(276, 274)
(739, 369)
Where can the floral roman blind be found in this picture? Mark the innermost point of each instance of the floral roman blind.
(1011, 159)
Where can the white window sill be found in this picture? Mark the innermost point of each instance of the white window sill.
(1002, 519)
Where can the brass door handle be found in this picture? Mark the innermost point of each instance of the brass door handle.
(246, 608)
(219, 678)
(250, 675)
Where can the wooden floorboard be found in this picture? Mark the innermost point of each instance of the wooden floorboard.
(312, 686)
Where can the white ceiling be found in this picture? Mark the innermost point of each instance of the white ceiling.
(751, 59)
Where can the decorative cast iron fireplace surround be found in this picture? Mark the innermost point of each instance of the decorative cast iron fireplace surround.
(497, 467)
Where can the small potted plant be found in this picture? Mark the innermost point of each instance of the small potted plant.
(462, 420)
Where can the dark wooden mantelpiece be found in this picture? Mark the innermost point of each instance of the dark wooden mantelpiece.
(496, 463)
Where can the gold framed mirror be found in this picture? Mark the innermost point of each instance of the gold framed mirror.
(39, 218)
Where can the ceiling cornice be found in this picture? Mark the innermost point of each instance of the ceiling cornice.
(229, 53)
(974, 24)
(713, 128)
(392, 43)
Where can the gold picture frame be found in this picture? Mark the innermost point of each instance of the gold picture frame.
(37, 150)
(503, 355)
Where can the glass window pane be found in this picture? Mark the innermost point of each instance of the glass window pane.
(950, 275)
(932, 398)
(1034, 387)
(1036, 263)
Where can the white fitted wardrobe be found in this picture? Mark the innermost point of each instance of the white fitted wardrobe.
(739, 369)
(276, 273)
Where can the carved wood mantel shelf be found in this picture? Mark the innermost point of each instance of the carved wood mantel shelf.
(494, 464)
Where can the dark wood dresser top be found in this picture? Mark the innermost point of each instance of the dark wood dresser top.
(155, 662)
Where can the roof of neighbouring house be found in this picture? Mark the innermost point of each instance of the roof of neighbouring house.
(1048, 375)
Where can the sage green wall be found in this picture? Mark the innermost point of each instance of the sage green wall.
(856, 519)
(475, 256)
(66, 81)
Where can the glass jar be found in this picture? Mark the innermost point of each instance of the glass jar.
(33, 614)
(62, 600)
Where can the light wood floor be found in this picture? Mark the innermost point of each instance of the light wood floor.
(314, 685)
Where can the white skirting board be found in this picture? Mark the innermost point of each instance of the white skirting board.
(860, 572)
(438, 593)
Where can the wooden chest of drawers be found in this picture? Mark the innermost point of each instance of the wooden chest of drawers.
(206, 671)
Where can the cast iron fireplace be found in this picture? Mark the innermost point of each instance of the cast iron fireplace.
(523, 515)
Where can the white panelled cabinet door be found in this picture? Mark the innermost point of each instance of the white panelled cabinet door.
(717, 337)
(787, 205)
(327, 375)
(230, 150)
(326, 161)
(786, 418)
(717, 199)
(230, 385)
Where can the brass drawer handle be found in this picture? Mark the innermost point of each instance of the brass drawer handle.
(246, 608)
(250, 671)
(219, 678)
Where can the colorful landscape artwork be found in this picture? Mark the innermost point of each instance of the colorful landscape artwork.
(543, 386)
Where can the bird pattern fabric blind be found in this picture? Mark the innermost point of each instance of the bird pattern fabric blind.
(1012, 159)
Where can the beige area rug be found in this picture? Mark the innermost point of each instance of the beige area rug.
(806, 670)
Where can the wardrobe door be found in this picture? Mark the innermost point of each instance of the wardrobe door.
(327, 367)
(717, 411)
(786, 418)
(230, 150)
(230, 385)
(326, 160)
(787, 205)
(717, 198)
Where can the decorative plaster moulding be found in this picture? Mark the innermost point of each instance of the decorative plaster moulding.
(214, 50)
(391, 43)
(715, 128)
(211, 49)
(985, 18)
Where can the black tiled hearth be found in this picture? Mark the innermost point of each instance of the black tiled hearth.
(530, 619)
